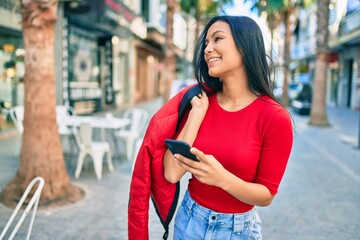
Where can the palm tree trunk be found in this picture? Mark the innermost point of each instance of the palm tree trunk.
(198, 24)
(271, 28)
(170, 58)
(41, 151)
(285, 98)
(318, 114)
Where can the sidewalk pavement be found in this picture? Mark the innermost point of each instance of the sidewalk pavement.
(317, 200)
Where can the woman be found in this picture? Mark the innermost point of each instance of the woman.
(241, 136)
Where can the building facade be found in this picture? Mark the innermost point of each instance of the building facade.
(108, 53)
(98, 55)
(12, 67)
(344, 77)
(343, 72)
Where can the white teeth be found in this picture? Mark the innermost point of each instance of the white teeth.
(213, 59)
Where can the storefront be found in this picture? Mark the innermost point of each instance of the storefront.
(98, 55)
(86, 61)
(149, 69)
(83, 70)
(12, 67)
(131, 70)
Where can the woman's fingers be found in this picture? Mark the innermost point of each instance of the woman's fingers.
(199, 154)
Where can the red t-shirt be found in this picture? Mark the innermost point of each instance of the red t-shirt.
(253, 143)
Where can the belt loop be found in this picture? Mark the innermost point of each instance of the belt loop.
(238, 223)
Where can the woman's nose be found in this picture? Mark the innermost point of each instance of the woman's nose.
(208, 49)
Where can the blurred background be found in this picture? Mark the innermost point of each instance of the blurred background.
(110, 53)
(113, 55)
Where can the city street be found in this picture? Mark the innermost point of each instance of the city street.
(319, 198)
(320, 193)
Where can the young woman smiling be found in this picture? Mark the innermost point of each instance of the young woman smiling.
(240, 134)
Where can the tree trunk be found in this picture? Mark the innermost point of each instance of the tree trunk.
(285, 98)
(271, 25)
(318, 114)
(198, 24)
(41, 151)
(170, 58)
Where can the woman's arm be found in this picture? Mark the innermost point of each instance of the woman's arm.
(210, 171)
(247, 192)
(172, 170)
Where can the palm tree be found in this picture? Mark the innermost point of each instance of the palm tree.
(199, 9)
(202, 8)
(318, 114)
(170, 57)
(280, 11)
(41, 151)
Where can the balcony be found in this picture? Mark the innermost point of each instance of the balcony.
(349, 23)
(348, 32)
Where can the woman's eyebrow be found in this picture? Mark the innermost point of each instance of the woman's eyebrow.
(217, 31)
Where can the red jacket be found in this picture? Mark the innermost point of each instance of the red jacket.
(148, 177)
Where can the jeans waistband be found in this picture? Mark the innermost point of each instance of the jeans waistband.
(239, 220)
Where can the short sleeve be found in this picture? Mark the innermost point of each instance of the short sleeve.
(277, 135)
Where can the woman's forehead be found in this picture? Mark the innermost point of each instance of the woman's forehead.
(219, 26)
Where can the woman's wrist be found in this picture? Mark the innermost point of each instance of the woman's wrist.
(191, 127)
(197, 113)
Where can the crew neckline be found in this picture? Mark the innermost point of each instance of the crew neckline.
(236, 111)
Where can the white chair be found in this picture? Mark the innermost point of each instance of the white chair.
(17, 116)
(34, 202)
(95, 149)
(139, 119)
(63, 112)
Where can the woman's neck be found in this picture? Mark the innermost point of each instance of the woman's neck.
(235, 95)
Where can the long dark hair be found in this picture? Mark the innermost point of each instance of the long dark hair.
(249, 41)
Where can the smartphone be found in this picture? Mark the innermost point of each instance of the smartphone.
(180, 147)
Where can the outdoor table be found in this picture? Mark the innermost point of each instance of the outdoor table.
(103, 123)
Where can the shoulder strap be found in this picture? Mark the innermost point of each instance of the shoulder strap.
(185, 102)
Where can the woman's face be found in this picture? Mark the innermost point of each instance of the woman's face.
(221, 55)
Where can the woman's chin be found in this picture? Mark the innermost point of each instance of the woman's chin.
(213, 73)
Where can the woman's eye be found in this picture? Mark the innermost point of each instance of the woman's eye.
(217, 38)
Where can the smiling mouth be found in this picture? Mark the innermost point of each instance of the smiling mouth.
(211, 60)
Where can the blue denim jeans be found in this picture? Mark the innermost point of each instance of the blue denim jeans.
(196, 222)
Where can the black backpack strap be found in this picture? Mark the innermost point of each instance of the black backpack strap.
(185, 102)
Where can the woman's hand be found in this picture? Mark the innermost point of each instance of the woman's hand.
(200, 103)
(208, 171)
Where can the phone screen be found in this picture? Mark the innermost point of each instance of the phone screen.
(180, 147)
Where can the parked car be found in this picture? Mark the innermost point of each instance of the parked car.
(299, 93)
(300, 96)
(278, 91)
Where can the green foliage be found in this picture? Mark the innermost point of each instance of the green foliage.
(188, 5)
(269, 6)
(306, 3)
(275, 5)
(205, 7)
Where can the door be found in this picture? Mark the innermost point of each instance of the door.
(349, 81)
